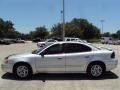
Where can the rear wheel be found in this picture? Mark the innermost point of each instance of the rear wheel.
(22, 71)
(95, 70)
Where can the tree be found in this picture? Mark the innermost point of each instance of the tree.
(1, 28)
(57, 30)
(114, 35)
(40, 32)
(107, 34)
(80, 28)
(118, 34)
(7, 29)
(91, 32)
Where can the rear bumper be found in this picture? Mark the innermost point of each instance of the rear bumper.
(110, 65)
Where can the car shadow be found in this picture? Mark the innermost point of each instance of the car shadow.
(45, 77)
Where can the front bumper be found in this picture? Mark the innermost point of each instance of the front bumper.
(111, 64)
(6, 68)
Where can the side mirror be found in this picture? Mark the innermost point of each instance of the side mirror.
(42, 54)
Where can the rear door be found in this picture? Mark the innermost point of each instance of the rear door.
(77, 56)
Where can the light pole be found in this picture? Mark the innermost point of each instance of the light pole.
(63, 19)
(102, 32)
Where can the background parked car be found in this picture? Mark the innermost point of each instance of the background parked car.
(8, 41)
(5, 41)
(36, 40)
(48, 41)
(69, 39)
(116, 42)
(107, 40)
(19, 40)
(53, 40)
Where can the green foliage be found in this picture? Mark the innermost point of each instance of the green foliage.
(40, 32)
(107, 34)
(116, 35)
(80, 28)
(57, 29)
(94, 40)
(7, 30)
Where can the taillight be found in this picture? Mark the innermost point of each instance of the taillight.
(113, 55)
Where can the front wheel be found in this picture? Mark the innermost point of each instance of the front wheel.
(95, 70)
(22, 71)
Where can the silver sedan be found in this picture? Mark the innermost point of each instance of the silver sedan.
(62, 57)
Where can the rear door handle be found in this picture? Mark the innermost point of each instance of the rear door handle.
(86, 56)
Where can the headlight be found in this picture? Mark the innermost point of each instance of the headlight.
(6, 58)
(9, 56)
(6, 61)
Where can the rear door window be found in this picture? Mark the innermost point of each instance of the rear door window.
(76, 48)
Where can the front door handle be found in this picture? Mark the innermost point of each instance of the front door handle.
(86, 56)
(59, 58)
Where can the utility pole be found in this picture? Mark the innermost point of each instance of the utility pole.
(63, 17)
(102, 32)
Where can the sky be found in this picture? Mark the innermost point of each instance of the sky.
(29, 14)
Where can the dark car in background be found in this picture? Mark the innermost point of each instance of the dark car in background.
(36, 40)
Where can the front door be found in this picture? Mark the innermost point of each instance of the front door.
(52, 59)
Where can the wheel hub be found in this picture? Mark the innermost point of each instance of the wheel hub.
(96, 70)
(22, 71)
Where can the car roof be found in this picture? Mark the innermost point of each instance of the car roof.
(71, 42)
(87, 44)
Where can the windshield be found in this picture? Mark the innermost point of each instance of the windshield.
(40, 49)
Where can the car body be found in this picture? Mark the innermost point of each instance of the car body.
(62, 57)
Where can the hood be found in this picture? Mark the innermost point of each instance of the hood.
(20, 55)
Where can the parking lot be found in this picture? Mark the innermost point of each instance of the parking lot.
(110, 81)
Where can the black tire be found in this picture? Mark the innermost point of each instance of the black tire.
(91, 72)
(21, 74)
